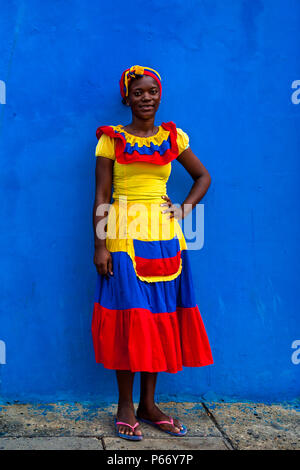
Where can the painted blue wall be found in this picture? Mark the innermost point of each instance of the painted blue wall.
(227, 71)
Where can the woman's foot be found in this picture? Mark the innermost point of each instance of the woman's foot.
(153, 413)
(126, 414)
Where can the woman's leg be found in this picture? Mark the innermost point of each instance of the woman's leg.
(147, 408)
(125, 405)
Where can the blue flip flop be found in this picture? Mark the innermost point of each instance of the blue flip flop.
(127, 436)
(156, 424)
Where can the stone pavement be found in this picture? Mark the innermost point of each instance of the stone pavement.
(213, 426)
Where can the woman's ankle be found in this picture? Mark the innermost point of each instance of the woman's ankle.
(146, 406)
(125, 404)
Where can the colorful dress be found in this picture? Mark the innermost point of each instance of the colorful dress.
(145, 315)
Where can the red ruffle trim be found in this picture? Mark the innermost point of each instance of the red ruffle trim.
(155, 158)
(137, 340)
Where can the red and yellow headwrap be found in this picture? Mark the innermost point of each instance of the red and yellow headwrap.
(134, 72)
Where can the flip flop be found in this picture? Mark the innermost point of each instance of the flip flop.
(127, 436)
(157, 423)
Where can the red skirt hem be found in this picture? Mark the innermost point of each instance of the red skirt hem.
(155, 371)
(138, 340)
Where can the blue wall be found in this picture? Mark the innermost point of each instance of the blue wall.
(227, 71)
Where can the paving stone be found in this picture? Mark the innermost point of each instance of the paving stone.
(247, 425)
(55, 419)
(64, 419)
(259, 426)
(176, 443)
(50, 443)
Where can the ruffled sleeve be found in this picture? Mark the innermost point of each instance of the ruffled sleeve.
(182, 140)
(106, 147)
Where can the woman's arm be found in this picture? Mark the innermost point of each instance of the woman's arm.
(103, 173)
(202, 180)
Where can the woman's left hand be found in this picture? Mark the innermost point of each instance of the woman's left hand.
(175, 212)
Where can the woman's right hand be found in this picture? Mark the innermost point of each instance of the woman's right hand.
(103, 261)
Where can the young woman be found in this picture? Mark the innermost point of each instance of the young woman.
(145, 316)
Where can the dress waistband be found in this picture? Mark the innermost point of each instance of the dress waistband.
(125, 201)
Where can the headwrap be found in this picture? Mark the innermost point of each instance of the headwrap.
(134, 72)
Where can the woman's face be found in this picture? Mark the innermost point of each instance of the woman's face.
(144, 97)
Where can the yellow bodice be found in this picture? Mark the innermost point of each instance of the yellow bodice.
(139, 181)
